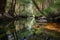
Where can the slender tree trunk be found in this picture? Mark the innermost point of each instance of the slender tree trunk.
(2, 6)
(37, 7)
(12, 8)
(43, 6)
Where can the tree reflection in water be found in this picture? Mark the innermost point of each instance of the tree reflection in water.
(18, 30)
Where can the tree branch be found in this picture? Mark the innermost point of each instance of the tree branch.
(37, 7)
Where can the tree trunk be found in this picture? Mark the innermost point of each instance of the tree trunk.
(2, 6)
(37, 7)
(12, 8)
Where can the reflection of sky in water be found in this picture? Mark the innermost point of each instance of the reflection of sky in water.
(30, 22)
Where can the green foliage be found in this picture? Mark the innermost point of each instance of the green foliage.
(53, 8)
(25, 1)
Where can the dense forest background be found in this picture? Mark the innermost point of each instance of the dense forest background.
(21, 7)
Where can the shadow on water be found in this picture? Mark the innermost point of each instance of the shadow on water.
(9, 28)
